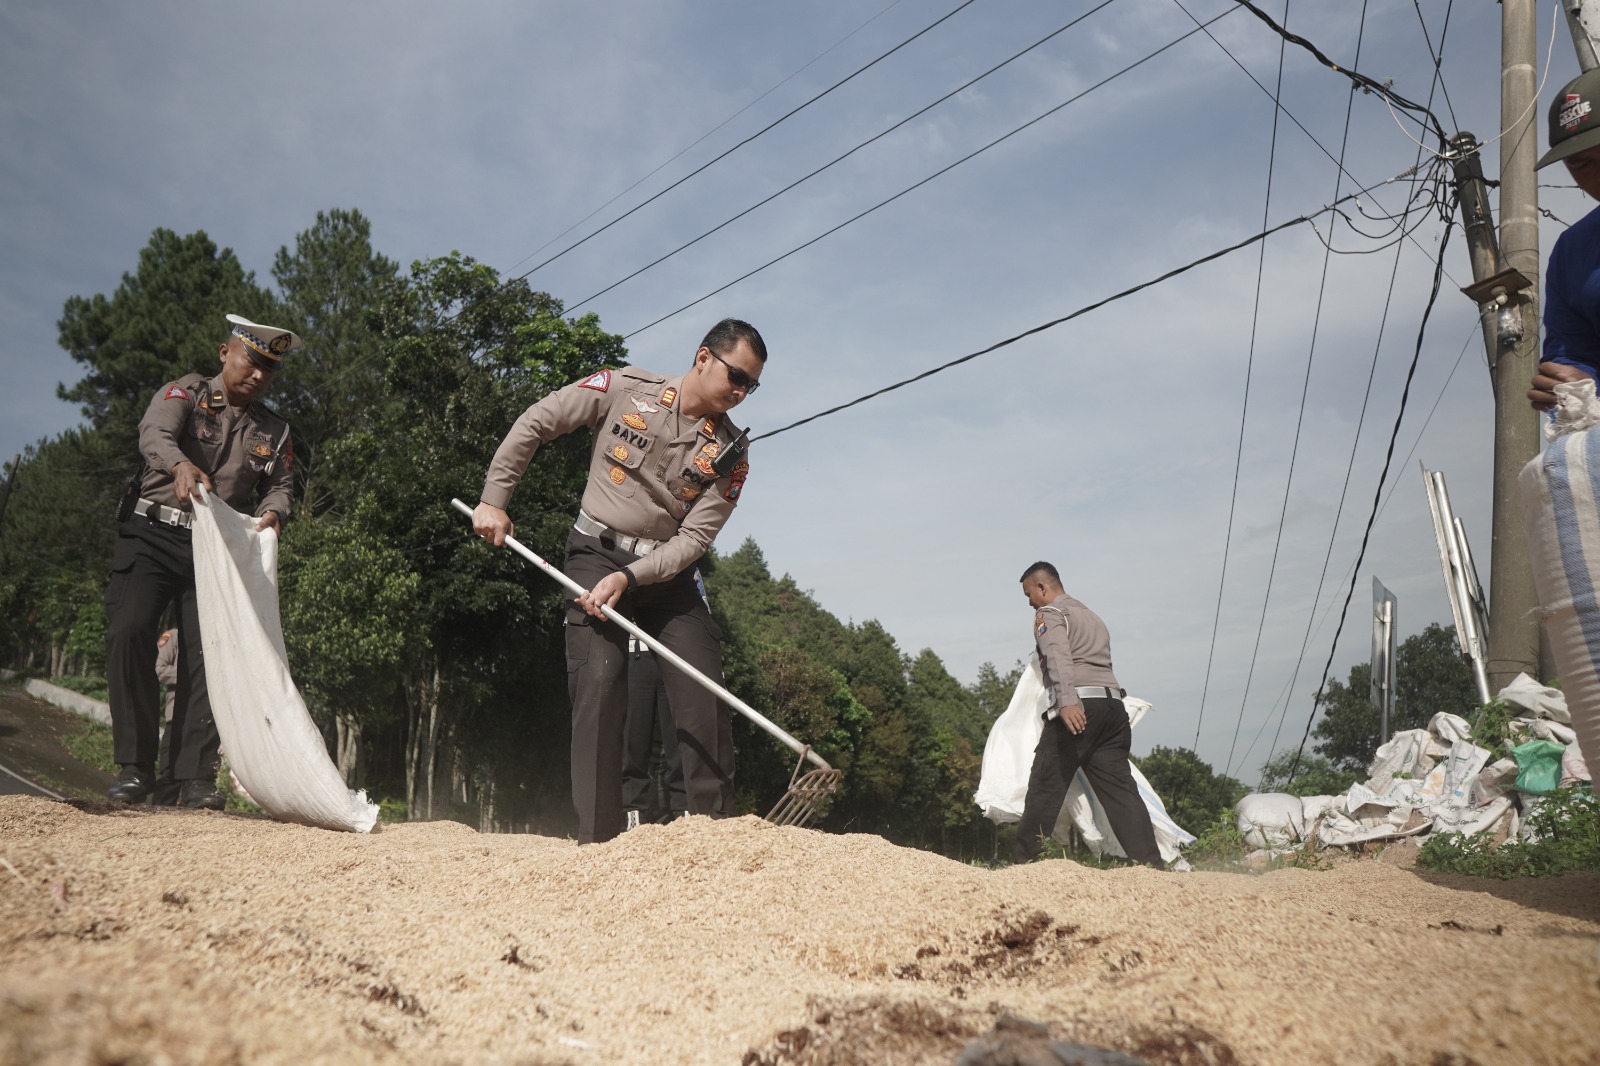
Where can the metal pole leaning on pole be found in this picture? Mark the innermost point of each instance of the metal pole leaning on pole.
(666, 653)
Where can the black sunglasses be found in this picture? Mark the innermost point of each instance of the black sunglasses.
(740, 379)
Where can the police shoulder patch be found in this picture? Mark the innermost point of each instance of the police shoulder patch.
(176, 392)
(598, 382)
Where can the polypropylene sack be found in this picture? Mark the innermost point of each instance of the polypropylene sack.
(1560, 489)
(1539, 701)
(1083, 811)
(1538, 766)
(1008, 762)
(1270, 819)
(272, 745)
(1400, 756)
(1008, 753)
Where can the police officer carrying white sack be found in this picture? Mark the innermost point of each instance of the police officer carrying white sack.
(198, 430)
(1086, 726)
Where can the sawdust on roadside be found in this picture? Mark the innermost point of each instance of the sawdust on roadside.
(149, 936)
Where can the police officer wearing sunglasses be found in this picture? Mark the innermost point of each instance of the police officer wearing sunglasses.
(667, 469)
(197, 430)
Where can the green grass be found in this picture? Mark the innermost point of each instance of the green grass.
(1566, 826)
(90, 743)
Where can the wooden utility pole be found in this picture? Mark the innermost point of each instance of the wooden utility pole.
(1513, 606)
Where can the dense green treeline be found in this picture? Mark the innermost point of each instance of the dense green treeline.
(434, 663)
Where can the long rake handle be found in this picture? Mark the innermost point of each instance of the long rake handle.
(666, 653)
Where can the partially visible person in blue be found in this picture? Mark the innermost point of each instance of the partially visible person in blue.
(1572, 276)
(1563, 529)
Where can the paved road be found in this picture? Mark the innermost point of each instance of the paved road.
(33, 759)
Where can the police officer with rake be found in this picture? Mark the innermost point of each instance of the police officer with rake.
(666, 471)
(198, 430)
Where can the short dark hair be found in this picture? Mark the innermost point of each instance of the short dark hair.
(726, 335)
(1041, 567)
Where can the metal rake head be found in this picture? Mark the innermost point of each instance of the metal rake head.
(806, 795)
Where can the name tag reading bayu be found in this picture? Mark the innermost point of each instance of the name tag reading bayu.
(633, 437)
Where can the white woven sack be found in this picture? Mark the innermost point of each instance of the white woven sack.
(272, 745)
(1561, 508)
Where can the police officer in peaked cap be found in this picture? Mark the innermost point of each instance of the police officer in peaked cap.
(198, 430)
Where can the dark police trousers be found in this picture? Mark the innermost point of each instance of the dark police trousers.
(649, 716)
(597, 680)
(1101, 751)
(152, 566)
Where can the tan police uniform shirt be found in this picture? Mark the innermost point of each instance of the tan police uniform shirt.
(241, 450)
(650, 474)
(1074, 650)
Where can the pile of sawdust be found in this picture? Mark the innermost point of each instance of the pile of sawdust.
(146, 936)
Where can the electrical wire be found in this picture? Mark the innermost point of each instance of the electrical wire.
(1361, 80)
(841, 158)
(1472, 332)
(723, 155)
(1305, 393)
(794, 74)
(1405, 393)
(1372, 375)
(1436, 56)
(1249, 373)
(1043, 326)
(911, 188)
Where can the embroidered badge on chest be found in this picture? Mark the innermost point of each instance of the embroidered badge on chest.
(642, 407)
(711, 450)
(620, 453)
(263, 451)
(703, 464)
(689, 492)
(635, 421)
(617, 475)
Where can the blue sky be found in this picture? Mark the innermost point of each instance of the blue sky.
(1107, 445)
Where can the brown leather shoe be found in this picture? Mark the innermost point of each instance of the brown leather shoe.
(133, 785)
(198, 793)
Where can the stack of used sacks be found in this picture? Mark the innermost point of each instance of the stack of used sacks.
(1435, 780)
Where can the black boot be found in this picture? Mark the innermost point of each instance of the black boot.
(199, 793)
(134, 784)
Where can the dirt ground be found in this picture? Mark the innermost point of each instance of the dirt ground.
(167, 936)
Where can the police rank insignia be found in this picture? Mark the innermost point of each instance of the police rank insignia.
(702, 464)
(669, 397)
(617, 475)
(262, 451)
(620, 453)
(175, 392)
(709, 427)
(636, 421)
(599, 382)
